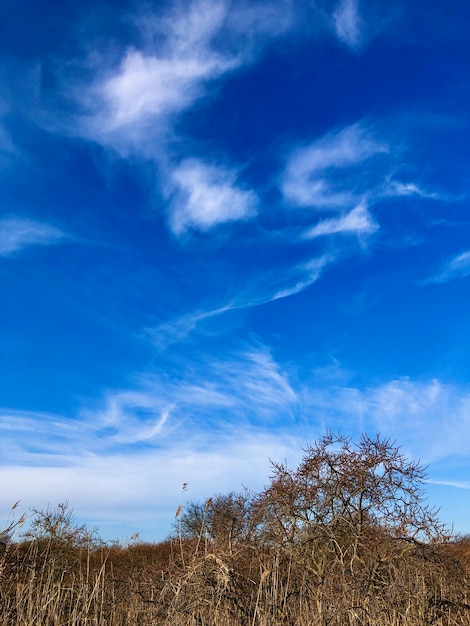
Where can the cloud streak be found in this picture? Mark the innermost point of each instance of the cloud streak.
(347, 23)
(267, 288)
(456, 267)
(301, 277)
(16, 234)
(320, 176)
(356, 222)
(395, 188)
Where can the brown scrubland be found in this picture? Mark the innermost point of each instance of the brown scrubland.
(345, 539)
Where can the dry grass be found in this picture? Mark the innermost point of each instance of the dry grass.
(186, 583)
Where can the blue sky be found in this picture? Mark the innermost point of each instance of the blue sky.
(225, 228)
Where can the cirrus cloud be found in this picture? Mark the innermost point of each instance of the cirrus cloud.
(358, 222)
(318, 176)
(456, 267)
(19, 233)
(208, 195)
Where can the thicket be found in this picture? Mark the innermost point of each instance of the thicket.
(346, 539)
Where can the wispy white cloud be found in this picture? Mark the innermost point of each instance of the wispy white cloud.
(208, 195)
(348, 24)
(7, 148)
(196, 424)
(285, 281)
(267, 288)
(356, 22)
(133, 104)
(457, 267)
(263, 385)
(319, 175)
(429, 418)
(257, 23)
(215, 425)
(19, 233)
(148, 87)
(394, 188)
(131, 417)
(177, 330)
(125, 493)
(246, 386)
(301, 277)
(458, 484)
(130, 107)
(358, 222)
(34, 438)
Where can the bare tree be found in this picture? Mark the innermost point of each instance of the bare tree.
(57, 526)
(355, 487)
(223, 519)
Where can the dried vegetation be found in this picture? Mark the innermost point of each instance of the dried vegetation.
(346, 539)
